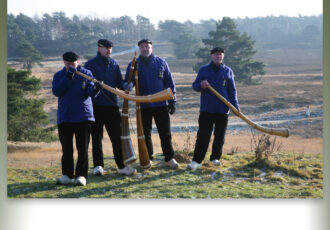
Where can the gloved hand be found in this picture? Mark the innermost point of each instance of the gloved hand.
(171, 108)
(97, 86)
(128, 86)
(70, 72)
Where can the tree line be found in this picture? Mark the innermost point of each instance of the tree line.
(53, 34)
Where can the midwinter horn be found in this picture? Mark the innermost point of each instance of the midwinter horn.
(272, 131)
(143, 151)
(126, 142)
(163, 95)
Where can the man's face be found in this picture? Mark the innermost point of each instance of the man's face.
(74, 64)
(217, 57)
(145, 49)
(105, 51)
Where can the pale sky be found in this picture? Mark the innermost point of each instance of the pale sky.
(180, 10)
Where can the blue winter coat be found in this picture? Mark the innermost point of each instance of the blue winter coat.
(223, 82)
(74, 97)
(110, 74)
(153, 78)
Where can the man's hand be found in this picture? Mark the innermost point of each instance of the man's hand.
(97, 86)
(171, 108)
(128, 86)
(205, 84)
(70, 72)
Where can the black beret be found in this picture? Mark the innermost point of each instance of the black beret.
(145, 40)
(217, 49)
(70, 56)
(105, 43)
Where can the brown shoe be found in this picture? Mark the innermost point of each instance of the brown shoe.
(172, 164)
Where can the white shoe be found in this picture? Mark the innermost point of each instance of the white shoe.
(126, 171)
(216, 162)
(64, 180)
(98, 171)
(194, 165)
(81, 181)
(172, 164)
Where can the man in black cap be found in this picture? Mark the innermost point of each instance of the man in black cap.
(155, 76)
(74, 117)
(106, 110)
(213, 112)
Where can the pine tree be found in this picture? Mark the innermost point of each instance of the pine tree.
(27, 121)
(238, 51)
(29, 55)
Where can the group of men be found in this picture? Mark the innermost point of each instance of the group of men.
(84, 108)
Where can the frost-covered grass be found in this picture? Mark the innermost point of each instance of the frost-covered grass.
(290, 176)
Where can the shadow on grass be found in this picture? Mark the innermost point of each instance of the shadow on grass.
(137, 181)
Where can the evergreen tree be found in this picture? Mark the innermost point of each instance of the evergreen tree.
(27, 121)
(28, 55)
(238, 51)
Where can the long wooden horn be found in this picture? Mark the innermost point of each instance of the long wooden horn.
(126, 142)
(143, 151)
(272, 131)
(164, 95)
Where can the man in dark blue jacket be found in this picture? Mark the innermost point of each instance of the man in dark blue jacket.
(154, 76)
(74, 117)
(106, 110)
(213, 112)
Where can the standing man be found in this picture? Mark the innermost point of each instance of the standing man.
(106, 110)
(74, 117)
(154, 76)
(213, 113)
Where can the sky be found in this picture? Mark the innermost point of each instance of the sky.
(179, 10)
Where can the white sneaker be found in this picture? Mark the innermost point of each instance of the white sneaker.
(98, 171)
(81, 181)
(126, 171)
(64, 180)
(194, 165)
(216, 162)
(172, 164)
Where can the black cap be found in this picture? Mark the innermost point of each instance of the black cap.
(105, 43)
(145, 40)
(70, 56)
(217, 49)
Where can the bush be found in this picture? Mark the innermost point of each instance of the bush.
(27, 121)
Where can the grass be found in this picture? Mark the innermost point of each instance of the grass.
(240, 176)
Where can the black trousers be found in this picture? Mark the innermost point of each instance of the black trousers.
(206, 122)
(163, 124)
(109, 117)
(81, 131)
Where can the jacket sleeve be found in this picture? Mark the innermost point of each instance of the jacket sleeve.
(232, 93)
(169, 82)
(119, 78)
(60, 84)
(90, 86)
(197, 83)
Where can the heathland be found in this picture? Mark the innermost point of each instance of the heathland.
(293, 170)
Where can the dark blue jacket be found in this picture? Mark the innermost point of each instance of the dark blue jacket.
(74, 96)
(153, 78)
(223, 82)
(108, 71)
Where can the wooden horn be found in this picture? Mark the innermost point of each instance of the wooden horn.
(126, 142)
(143, 151)
(272, 131)
(164, 95)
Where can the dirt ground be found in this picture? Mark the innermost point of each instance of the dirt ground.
(280, 102)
